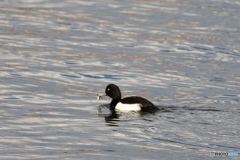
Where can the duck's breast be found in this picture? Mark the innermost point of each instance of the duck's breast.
(128, 107)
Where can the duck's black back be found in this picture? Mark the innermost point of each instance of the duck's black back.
(134, 99)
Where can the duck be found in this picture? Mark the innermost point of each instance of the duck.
(133, 103)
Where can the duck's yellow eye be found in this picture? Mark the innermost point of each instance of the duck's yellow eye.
(108, 89)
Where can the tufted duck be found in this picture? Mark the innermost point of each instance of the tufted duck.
(133, 103)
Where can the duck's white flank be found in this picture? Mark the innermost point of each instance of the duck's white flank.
(128, 107)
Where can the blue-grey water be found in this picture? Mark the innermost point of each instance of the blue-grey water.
(56, 55)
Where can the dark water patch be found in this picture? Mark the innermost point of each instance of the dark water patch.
(182, 143)
(166, 51)
(15, 74)
(94, 76)
(226, 147)
(205, 49)
(69, 76)
(204, 123)
(71, 63)
(237, 55)
(200, 109)
(184, 49)
(179, 85)
(217, 79)
(106, 76)
(11, 98)
(168, 108)
(187, 108)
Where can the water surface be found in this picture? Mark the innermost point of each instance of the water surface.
(57, 55)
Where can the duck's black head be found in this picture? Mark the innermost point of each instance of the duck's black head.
(113, 92)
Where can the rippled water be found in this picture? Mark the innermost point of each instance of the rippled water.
(57, 55)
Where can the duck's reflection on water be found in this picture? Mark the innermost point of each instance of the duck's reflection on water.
(111, 117)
